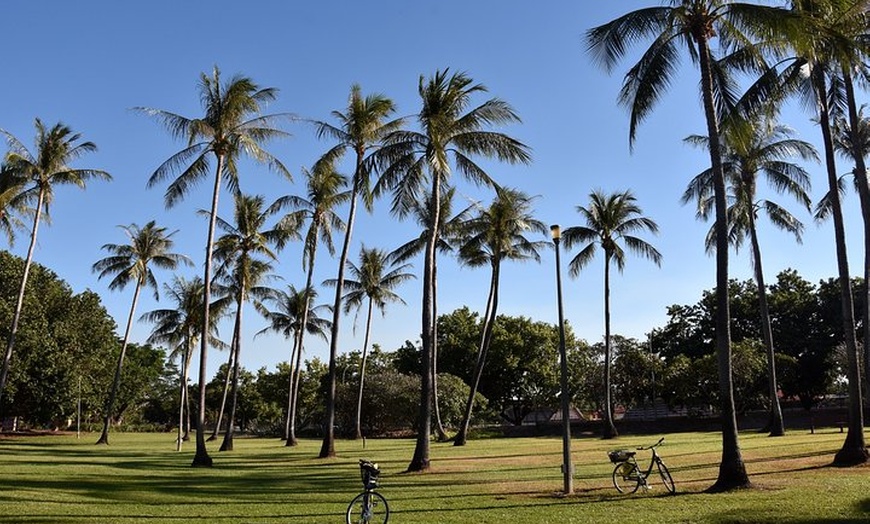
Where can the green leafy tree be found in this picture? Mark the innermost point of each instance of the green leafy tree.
(496, 234)
(34, 176)
(451, 133)
(360, 130)
(132, 262)
(232, 125)
(610, 220)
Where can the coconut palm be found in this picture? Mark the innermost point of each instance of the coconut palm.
(245, 253)
(448, 231)
(35, 175)
(495, 235)
(287, 320)
(610, 221)
(149, 246)
(359, 130)
(451, 133)
(179, 329)
(693, 24)
(324, 190)
(232, 125)
(371, 283)
(751, 148)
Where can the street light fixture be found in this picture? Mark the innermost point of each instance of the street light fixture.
(567, 468)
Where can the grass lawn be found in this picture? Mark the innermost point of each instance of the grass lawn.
(140, 478)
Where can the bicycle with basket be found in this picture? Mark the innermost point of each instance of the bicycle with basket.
(628, 476)
(369, 507)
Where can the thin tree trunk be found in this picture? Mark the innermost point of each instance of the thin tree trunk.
(19, 304)
(294, 405)
(116, 382)
(420, 460)
(290, 389)
(231, 358)
(776, 426)
(299, 340)
(609, 430)
(362, 372)
(732, 470)
(440, 433)
(201, 457)
(227, 444)
(485, 337)
(185, 369)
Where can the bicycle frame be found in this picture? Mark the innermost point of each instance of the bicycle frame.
(629, 470)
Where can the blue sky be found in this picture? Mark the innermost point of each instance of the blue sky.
(87, 63)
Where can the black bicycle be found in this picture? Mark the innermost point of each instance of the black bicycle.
(369, 507)
(627, 475)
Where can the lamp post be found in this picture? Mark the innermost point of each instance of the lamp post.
(567, 468)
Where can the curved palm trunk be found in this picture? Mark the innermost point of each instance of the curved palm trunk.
(295, 372)
(609, 429)
(294, 404)
(227, 444)
(485, 338)
(440, 433)
(19, 304)
(185, 370)
(776, 426)
(201, 457)
(327, 449)
(864, 197)
(288, 411)
(732, 470)
(362, 372)
(231, 358)
(853, 450)
(420, 460)
(116, 382)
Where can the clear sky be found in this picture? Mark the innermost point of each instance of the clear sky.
(87, 63)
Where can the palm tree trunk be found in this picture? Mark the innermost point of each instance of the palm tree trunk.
(327, 449)
(231, 358)
(185, 366)
(19, 304)
(201, 457)
(420, 460)
(290, 363)
(485, 335)
(362, 372)
(732, 470)
(227, 444)
(116, 382)
(609, 430)
(294, 404)
(853, 450)
(775, 425)
(440, 433)
(299, 341)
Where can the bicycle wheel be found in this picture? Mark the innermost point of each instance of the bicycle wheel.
(666, 477)
(626, 477)
(368, 507)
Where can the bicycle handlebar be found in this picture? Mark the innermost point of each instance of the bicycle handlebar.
(642, 448)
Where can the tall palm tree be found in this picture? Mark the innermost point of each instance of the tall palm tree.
(371, 283)
(287, 320)
(325, 192)
(611, 221)
(149, 246)
(448, 232)
(232, 125)
(360, 130)
(693, 24)
(752, 148)
(35, 176)
(451, 133)
(245, 253)
(495, 235)
(179, 328)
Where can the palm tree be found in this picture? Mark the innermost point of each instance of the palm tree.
(10, 204)
(371, 282)
(149, 245)
(246, 255)
(611, 221)
(448, 232)
(179, 328)
(692, 23)
(360, 130)
(324, 187)
(35, 176)
(496, 234)
(232, 124)
(451, 133)
(287, 320)
(754, 147)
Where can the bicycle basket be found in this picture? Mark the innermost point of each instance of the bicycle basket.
(619, 455)
(370, 473)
